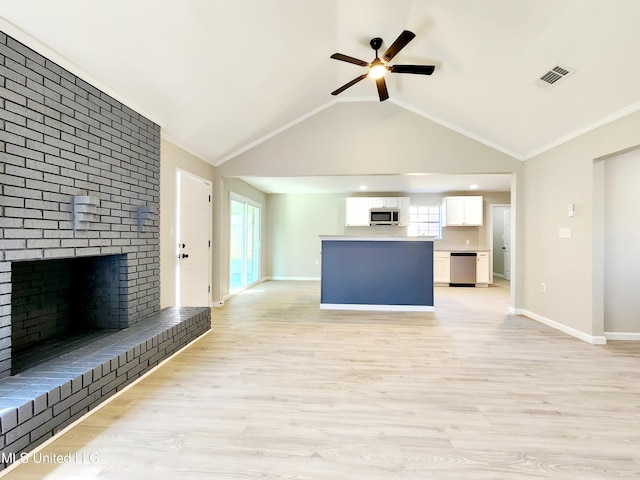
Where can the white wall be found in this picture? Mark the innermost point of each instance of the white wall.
(354, 138)
(622, 244)
(570, 268)
(296, 223)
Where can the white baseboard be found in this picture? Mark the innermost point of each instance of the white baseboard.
(376, 308)
(298, 279)
(622, 336)
(593, 339)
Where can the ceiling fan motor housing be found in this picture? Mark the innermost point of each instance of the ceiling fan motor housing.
(376, 43)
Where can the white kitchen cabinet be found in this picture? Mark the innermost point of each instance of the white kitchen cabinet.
(357, 212)
(483, 273)
(383, 202)
(462, 211)
(403, 204)
(441, 268)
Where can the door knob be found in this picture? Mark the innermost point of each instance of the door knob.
(185, 255)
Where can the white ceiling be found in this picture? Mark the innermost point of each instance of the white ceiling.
(220, 75)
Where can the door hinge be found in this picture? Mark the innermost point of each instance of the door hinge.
(209, 288)
(209, 243)
(209, 198)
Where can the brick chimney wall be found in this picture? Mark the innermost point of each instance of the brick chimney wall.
(61, 138)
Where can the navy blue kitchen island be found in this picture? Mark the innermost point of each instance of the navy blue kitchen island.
(377, 273)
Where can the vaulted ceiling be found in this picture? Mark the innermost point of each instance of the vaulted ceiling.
(221, 75)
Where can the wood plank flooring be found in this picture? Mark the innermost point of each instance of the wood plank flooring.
(280, 389)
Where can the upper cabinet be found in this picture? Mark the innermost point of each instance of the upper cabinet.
(383, 202)
(357, 211)
(462, 211)
(357, 214)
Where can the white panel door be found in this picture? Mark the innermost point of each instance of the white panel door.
(194, 241)
(507, 244)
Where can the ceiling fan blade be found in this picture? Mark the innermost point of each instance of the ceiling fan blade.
(347, 58)
(405, 37)
(418, 69)
(350, 84)
(382, 89)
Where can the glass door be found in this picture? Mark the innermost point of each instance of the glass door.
(244, 243)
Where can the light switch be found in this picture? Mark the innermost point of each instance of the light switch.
(565, 232)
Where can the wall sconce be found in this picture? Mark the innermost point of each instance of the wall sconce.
(85, 209)
(144, 212)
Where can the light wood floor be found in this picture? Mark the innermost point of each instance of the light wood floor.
(282, 390)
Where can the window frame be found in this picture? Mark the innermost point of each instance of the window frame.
(429, 226)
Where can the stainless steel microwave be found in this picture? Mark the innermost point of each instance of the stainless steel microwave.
(384, 216)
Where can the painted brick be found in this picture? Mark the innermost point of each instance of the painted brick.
(11, 180)
(60, 137)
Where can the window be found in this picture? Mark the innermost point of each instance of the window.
(244, 254)
(424, 221)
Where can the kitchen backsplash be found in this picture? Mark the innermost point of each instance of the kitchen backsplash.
(456, 237)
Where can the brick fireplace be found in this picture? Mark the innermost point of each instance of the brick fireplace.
(77, 168)
(80, 311)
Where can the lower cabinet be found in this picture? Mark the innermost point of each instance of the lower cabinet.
(441, 268)
(483, 273)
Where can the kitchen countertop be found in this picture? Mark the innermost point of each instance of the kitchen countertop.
(376, 238)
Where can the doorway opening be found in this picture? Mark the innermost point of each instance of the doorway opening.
(501, 240)
(244, 243)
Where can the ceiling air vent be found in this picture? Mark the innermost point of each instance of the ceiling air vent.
(553, 76)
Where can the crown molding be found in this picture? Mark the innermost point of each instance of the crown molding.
(586, 129)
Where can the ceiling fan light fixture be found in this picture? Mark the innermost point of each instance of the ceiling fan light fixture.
(378, 69)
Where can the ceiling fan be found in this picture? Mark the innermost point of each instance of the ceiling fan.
(378, 68)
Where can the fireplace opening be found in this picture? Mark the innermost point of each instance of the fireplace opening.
(59, 305)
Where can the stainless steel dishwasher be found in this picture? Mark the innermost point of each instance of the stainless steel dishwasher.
(463, 269)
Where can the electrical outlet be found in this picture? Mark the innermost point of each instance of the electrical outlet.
(543, 287)
(468, 242)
